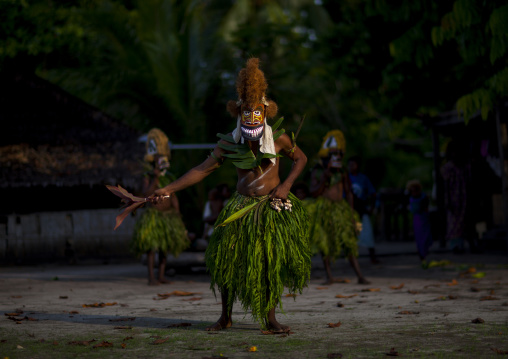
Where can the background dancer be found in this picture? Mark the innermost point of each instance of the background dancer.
(334, 223)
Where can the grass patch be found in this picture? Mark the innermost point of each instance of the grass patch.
(436, 341)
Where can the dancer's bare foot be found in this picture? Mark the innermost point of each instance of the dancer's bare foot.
(163, 280)
(152, 281)
(222, 323)
(362, 280)
(275, 327)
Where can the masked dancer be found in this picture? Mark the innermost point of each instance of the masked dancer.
(334, 223)
(160, 229)
(260, 244)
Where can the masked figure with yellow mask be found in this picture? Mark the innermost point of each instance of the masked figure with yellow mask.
(334, 223)
(260, 243)
(159, 229)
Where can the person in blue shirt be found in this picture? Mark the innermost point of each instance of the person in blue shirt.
(364, 198)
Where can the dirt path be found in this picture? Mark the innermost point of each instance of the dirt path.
(419, 313)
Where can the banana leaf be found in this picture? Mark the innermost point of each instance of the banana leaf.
(242, 212)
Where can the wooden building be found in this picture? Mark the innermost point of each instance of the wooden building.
(483, 144)
(56, 155)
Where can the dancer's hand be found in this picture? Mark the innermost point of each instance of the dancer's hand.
(281, 191)
(160, 195)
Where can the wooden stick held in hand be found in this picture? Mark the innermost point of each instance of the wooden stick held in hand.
(131, 202)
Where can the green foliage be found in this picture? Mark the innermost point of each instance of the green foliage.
(258, 255)
(242, 156)
(498, 27)
(37, 31)
(333, 232)
(478, 28)
(159, 231)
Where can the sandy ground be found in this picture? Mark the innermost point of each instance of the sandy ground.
(405, 307)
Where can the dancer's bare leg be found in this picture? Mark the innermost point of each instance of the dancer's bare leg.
(150, 257)
(328, 269)
(274, 325)
(224, 321)
(356, 267)
(162, 267)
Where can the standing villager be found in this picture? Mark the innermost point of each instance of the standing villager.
(160, 228)
(419, 208)
(334, 223)
(260, 244)
(364, 198)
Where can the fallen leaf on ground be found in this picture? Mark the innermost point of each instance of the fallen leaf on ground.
(393, 353)
(452, 283)
(103, 345)
(123, 327)
(407, 312)
(178, 293)
(127, 338)
(98, 305)
(13, 314)
(333, 355)
(334, 325)
(178, 325)
(432, 285)
(489, 297)
(341, 281)
(479, 275)
(291, 295)
(123, 345)
(253, 349)
(478, 321)
(442, 263)
(271, 332)
(321, 288)
(19, 347)
(193, 299)
(160, 341)
(81, 342)
(400, 286)
(122, 320)
(371, 290)
(499, 351)
(345, 296)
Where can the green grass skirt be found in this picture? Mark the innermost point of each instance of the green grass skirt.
(159, 231)
(259, 254)
(332, 229)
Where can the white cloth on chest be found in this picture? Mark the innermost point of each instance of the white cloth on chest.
(266, 142)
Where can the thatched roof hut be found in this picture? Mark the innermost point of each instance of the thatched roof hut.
(57, 152)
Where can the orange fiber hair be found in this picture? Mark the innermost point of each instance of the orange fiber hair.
(251, 86)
